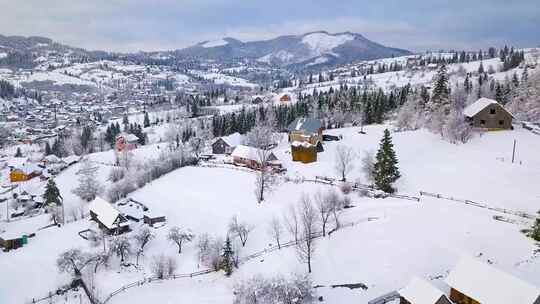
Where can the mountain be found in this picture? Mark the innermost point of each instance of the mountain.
(307, 50)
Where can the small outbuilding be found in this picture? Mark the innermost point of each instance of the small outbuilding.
(474, 282)
(419, 291)
(250, 157)
(488, 114)
(226, 144)
(107, 217)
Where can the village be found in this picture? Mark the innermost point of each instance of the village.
(410, 180)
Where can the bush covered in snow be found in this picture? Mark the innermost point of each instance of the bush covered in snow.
(260, 290)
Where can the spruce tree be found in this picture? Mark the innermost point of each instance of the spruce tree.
(18, 153)
(441, 92)
(146, 120)
(227, 257)
(385, 170)
(52, 194)
(534, 233)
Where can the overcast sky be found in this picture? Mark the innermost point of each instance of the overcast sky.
(131, 25)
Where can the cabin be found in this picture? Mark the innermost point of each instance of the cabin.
(474, 282)
(250, 157)
(285, 98)
(305, 136)
(226, 144)
(24, 172)
(488, 114)
(107, 217)
(126, 142)
(419, 291)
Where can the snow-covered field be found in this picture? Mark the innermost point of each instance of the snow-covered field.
(403, 239)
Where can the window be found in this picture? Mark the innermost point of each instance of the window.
(501, 122)
(492, 111)
(482, 122)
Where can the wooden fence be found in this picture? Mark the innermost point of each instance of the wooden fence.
(479, 205)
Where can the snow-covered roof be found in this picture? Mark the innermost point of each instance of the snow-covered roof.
(304, 144)
(419, 291)
(478, 106)
(71, 159)
(52, 158)
(487, 284)
(310, 125)
(28, 168)
(250, 153)
(15, 162)
(234, 139)
(105, 212)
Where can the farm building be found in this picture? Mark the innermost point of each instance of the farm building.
(285, 98)
(303, 152)
(24, 172)
(126, 142)
(107, 217)
(473, 282)
(488, 114)
(305, 130)
(419, 291)
(226, 144)
(250, 157)
(305, 136)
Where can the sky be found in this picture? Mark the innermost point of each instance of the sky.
(133, 25)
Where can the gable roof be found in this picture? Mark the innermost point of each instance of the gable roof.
(250, 153)
(105, 212)
(232, 140)
(309, 125)
(419, 291)
(487, 284)
(477, 106)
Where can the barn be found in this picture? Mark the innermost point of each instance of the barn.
(249, 156)
(419, 291)
(226, 144)
(107, 217)
(488, 114)
(474, 282)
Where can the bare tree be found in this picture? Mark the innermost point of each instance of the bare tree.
(74, 261)
(291, 222)
(324, 208)
(368, 163)
(55, 214)
(163, 266)
(197, 145)
(121, 247)
(89, 187)
(275, 231)
(344, 161)
(241, 230)
(142, 237)
(179, 236)
(262, 138)
(308, 221)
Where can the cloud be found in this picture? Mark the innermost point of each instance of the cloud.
(131, 25)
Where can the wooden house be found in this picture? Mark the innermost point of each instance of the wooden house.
(107, 217)
(303, 152)
(488, 114)
(250, 157)
(226, 144)
(126, 142)
(305, 136)
(419, 291)
(474, 282)
(24, 173)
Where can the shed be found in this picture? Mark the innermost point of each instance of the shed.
(475, 282)
(488, 114)
(249, 156)
(419, 291)
(226, 144)
(107, 217)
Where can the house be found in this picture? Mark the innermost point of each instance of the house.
(474, 282)
(488, 114)
(305, 129)
(250, 157)
(108, 218)
(24, 172)
(303, 152)
(285, 98)
(126, 142)
(305, 136)
(419, 291)
(226, 144)
(257, 100)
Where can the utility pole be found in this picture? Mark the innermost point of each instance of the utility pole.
(514, 152)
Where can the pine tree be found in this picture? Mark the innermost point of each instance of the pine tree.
(441, 92)
(146, 120)
(227, 257)
(52, 194)
(534, 232)
(48, 150)
(385, 170)
(18, 153)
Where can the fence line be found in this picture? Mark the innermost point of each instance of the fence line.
(241, 261)
(479, 205)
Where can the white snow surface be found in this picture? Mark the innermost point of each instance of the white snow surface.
(215, 43)
(419, 291)
(321, 43)
(478, 106)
